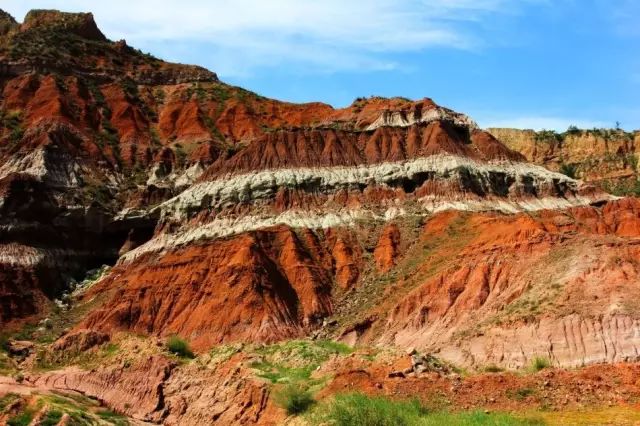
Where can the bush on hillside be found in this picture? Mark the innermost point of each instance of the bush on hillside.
(179, 347)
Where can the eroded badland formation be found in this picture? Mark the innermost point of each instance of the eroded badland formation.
(296, 245)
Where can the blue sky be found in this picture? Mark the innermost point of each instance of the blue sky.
(508, 63)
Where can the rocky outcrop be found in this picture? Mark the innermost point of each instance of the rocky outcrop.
(418, 114)
(79, 341)
(597, 155)
(558, 285)
(388, 248)
(260, 286)
(155, 391)
(137, 390)
(81, 24)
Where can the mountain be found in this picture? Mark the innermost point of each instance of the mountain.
(246, 226)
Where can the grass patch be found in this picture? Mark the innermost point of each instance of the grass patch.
(80, 409)
(51, 418)
(22, 419)
(179, 347)
(7, 400)
(111, 417)
(540, 363)
(277, 373)
(295, 360)
(294, 398)
(360, 409)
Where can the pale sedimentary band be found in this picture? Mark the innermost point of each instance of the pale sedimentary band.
(249, 187)
(229, 226)
(406, 119)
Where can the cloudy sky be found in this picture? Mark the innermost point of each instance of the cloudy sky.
(517, 63)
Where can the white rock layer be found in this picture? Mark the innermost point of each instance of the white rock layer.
(406, 119)
(230, 190)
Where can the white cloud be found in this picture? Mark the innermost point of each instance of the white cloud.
(242, 35)
(542, 123)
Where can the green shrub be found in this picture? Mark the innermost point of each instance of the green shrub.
(540, 363)
(569, 170)
(179, 347)
(295, 399)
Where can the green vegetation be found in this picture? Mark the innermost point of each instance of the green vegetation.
(12, 121)
(548, 136)
(159, 95)
(569, 170)
(295, 398)
(573, 131)
(80, 410)
(540, 363)
(222, 353)
(294, 361)
(289, 366)
(51, 418)
(22, 419)
(7, 400)
(179, 347)
(622, 188)
(98, 98)
(493, 369)
(112, 418)
(360, 409)
(97, 193)
(181, 155)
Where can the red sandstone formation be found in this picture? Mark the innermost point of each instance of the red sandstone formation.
(387, 250)
(230, 217)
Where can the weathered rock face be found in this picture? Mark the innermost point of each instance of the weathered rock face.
(155, 391)
(387, 250)
(557, 284)
(233, 217)
(259, 286)
(598, 155)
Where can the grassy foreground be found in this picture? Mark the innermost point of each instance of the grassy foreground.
(359, 409)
